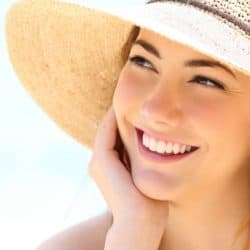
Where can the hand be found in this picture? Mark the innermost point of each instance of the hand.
(114, 180)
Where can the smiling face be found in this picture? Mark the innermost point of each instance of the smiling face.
(185, 96)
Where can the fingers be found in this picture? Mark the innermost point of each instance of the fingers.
(105, 167)
(108, 137)
(107, 131)
(109, 173)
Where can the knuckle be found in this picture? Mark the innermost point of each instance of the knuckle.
(94, 167)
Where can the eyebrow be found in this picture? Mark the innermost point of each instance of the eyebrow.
(191, 63)
(208, 63)
(148, 47)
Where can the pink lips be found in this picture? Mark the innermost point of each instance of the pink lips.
(154, 156)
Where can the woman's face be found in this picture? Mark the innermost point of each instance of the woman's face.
(185, 96)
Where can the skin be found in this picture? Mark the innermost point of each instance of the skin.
(208, 193)
(195, 204)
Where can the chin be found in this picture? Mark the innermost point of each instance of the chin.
(154, 185)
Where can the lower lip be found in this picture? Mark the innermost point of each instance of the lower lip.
(156, 157)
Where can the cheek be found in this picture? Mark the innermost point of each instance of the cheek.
(222, 123)
(209, 113)
(128, 92)
(216, 121)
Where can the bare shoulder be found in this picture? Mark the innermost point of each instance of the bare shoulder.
(88, 235)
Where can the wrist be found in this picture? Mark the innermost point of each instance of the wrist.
(140, 219)
(133, 234)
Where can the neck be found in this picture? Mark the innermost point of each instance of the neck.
(209, 220)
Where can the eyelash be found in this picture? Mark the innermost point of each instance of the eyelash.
(140, 62)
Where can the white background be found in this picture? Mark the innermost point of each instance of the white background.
(44, 186)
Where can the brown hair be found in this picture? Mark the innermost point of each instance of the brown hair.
(245, 224)
(127, 46)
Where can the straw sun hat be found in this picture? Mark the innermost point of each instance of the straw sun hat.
(68, 56)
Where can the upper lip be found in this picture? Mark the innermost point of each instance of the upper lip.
(162, 137)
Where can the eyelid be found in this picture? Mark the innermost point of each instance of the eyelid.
(218, 84)
(132, 59)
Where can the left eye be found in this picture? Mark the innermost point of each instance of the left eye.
(202, 80)
(207, 82)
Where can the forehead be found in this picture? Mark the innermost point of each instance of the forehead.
(165, 44)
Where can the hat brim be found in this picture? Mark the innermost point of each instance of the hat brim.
(68, 57)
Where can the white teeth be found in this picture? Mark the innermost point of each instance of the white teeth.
(162, 147)
(169, 148)
(152, 144)
(145, 140)
(183, 148)
(176, 148)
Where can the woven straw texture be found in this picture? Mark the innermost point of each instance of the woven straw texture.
(68, 57)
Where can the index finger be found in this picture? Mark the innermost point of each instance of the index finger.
(107, 131)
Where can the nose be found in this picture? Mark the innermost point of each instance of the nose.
(163, 106)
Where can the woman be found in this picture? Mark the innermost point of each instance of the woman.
(171, 155)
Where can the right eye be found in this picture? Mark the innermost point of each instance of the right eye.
(142, 62)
